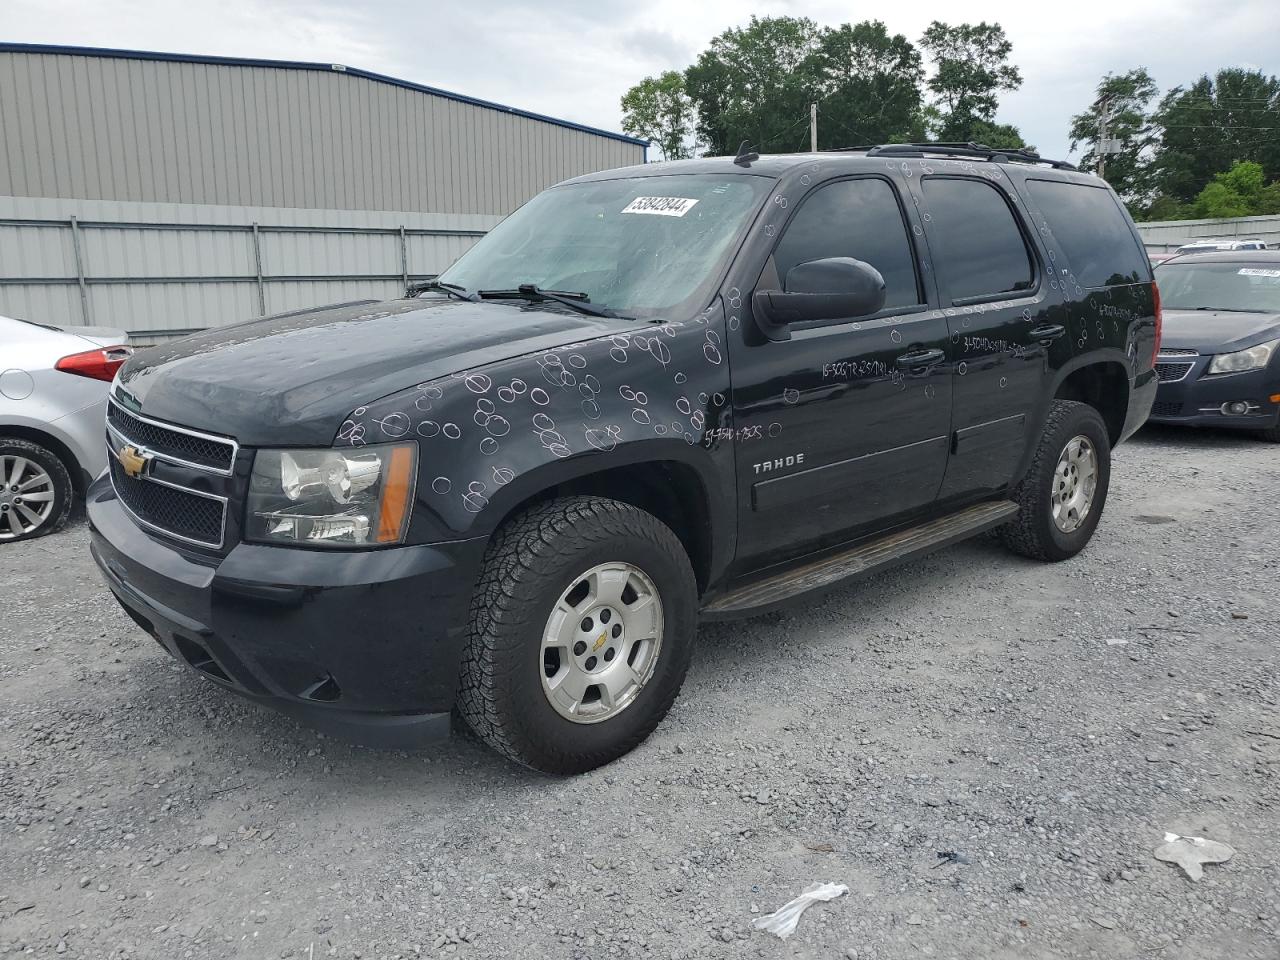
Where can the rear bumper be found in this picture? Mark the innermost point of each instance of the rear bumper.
(365, 645)
(1197, 400)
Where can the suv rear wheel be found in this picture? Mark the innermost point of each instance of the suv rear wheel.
(582, 627)
(35, 490)
(1063, 493)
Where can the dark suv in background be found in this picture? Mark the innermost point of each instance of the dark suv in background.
(680, 390)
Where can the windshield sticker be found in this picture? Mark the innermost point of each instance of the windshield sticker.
(1258, 272)
(660, 206)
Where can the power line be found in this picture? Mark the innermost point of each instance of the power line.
(857, 137)
(780, 133)
(1209, 126)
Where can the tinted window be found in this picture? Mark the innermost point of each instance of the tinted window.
(976, 245)
(859, 219)
(1092, 231)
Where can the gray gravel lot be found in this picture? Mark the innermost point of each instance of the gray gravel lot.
(955, 740)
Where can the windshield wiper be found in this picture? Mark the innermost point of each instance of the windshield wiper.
(572, 299)
(452, 289)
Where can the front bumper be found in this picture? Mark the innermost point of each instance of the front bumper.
(1196, 400)
(365, 645)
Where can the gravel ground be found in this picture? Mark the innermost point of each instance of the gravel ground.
(986, 750)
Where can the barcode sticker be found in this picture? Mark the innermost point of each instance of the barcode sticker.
(660, 206)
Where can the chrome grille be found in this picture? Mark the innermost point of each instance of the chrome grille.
(188, 447)
(183, 487)
(196, 518)
(1172, 372)
(1176, 352)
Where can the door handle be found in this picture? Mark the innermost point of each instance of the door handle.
(920, 358)
(1048, 332)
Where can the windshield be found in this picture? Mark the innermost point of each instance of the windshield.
(640, 246)
(1220, 286)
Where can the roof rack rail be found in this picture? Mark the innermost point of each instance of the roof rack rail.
(970, 149)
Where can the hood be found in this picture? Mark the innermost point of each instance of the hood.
(1217, 331)
(291, 379)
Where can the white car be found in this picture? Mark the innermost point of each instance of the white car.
(53, 400)
(1216, 246)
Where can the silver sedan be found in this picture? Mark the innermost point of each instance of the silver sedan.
(53, 398)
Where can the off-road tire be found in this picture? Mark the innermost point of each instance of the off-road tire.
(63, 491)
(1033, 533)
(530, 561)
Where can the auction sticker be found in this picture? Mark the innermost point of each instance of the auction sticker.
(660, 206)
(1258, 272)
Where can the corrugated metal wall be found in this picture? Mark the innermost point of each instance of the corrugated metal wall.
(163, 130)
(1171, 234)
(131, 184)
(158, 270)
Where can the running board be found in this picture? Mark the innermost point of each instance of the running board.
(861, 561)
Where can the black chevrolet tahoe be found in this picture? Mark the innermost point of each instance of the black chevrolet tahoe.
(685, 390)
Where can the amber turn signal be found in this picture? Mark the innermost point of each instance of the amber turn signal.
(397, 494)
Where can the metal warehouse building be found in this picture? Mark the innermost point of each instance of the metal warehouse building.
(165, 193)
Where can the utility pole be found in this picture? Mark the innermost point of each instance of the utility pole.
(813, 128)
(1103, 117)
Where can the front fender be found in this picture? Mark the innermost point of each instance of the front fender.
(494, 436)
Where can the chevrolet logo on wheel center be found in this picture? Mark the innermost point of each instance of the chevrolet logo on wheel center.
(133, 460)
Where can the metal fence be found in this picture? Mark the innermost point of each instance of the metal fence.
(165, 276)
(1168, 235)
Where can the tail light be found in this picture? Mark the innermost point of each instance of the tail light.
(1155, 295)
(100, 364)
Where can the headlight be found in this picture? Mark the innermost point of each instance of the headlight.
(361, 496)
(1254, 358)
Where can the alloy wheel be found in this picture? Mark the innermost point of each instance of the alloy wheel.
(1075, 481)
(601, 642)
(26, 496)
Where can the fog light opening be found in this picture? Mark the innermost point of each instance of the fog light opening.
(1235, 408)
(324, 690)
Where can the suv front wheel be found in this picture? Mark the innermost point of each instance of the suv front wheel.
(1064, 490)
(582, 627)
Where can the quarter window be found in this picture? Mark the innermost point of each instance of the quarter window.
(975, 243)
(859, 219)
(1096, 239)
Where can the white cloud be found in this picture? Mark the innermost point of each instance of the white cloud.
(575, 58)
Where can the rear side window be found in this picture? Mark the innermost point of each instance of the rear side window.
(977, 248)
(859, 219)
(1092, 231)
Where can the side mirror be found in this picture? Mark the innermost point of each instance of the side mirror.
(834, 288)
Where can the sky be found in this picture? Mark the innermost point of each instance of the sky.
(574, 59)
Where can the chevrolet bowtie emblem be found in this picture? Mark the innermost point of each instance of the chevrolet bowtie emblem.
(133, 460)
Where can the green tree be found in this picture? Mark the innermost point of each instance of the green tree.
(971, 68)
(658, 109)
(1126, 97)
(1208, 126)
(1241, 191)
(868, 85)
(756, 83)
(1004, 136)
